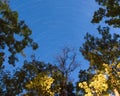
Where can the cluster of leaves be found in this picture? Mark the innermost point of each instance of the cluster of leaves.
(10, 28)
(42, 83)
(113, 75)
(102, 49)
(97, 85)
(103, 82)
(109, 11)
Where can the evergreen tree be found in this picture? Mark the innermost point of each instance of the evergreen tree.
(103, 75)
(14, 34)
(108, 12)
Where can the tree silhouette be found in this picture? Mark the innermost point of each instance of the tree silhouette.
(14, 34)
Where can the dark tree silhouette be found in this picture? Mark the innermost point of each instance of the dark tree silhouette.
(14, 34)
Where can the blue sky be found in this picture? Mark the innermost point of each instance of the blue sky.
(56, 23)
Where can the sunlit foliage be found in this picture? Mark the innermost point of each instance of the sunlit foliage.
(104, 81)
(42, 84)
(103, 53)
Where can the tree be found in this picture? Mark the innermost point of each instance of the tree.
(103, 54)
(67, 63)
(33, 71)
(15, 84)
(14, 34)
(108, 11)
(42, 84)
(60, 73)
(101, 50)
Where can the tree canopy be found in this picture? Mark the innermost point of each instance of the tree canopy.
(101, 49)
(103, 75)
(37, 78)
(14, 34)
(108, 12)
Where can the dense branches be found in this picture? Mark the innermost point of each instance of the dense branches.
(103, 53)
(102, 49)
(109, 12)
(14, 34)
